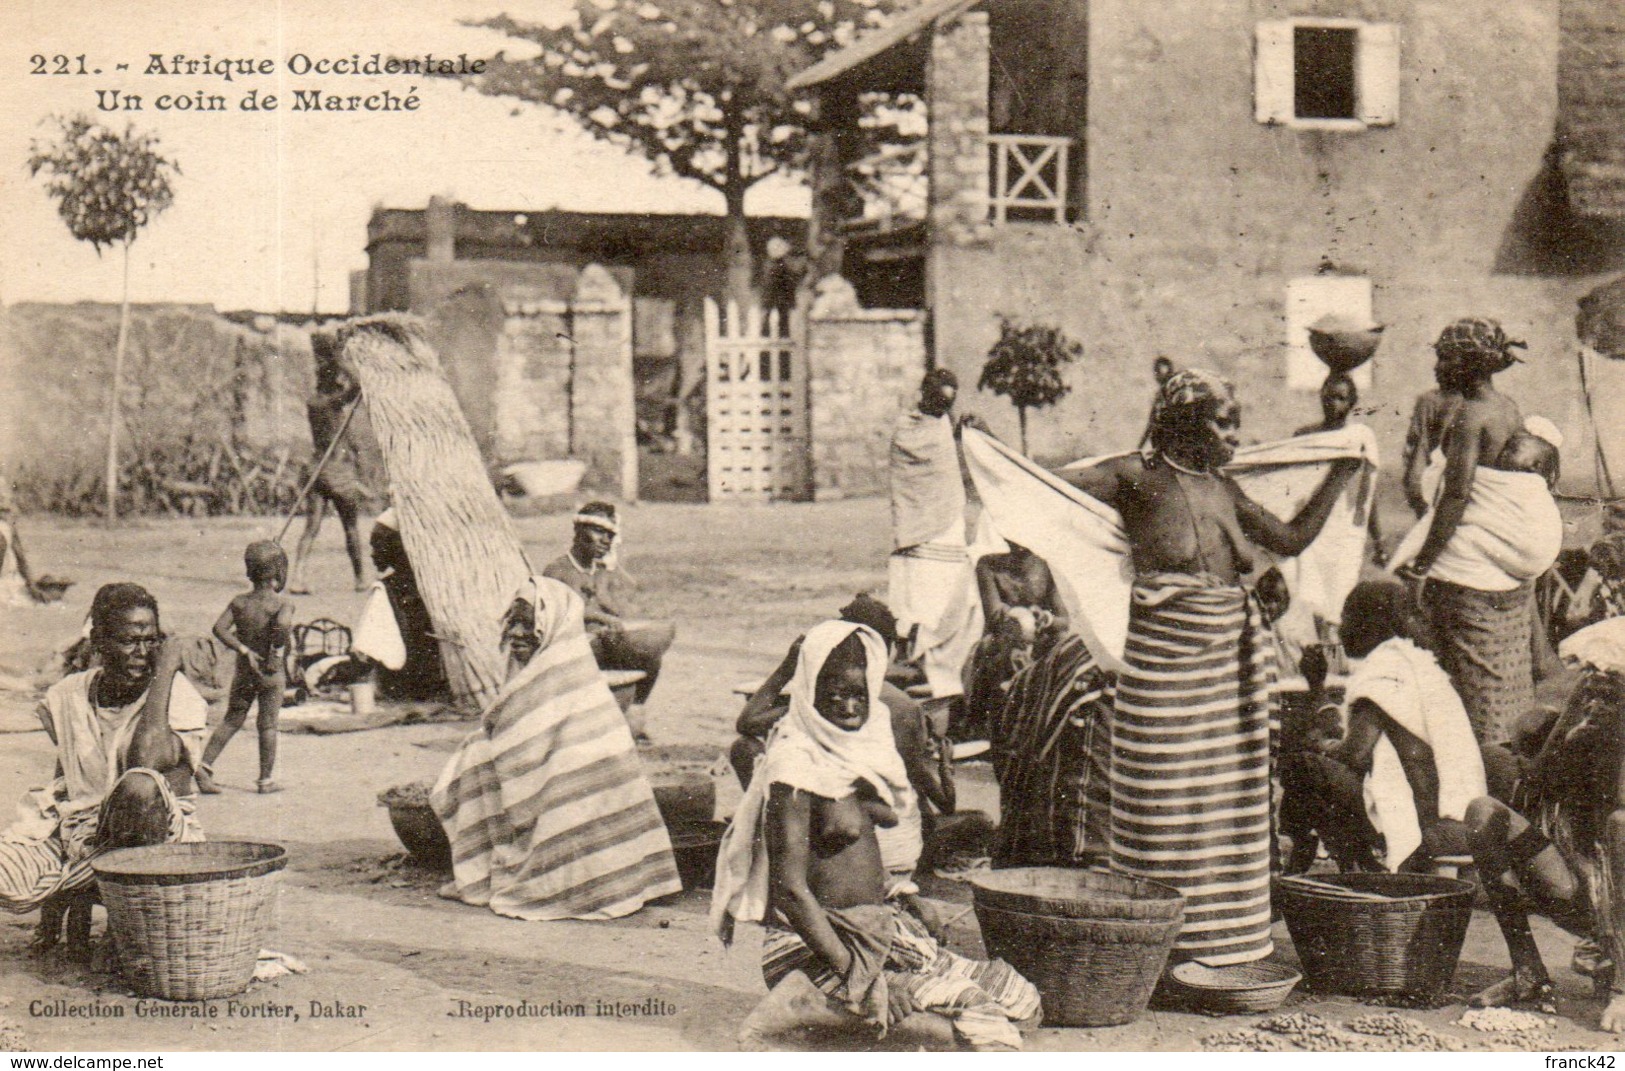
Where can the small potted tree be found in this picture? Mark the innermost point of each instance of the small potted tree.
(1024, 366)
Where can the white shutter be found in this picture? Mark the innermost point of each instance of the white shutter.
(1378, 72)
(1272, 72)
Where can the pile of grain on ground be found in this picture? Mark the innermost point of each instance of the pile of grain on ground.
(1401, 1034)
(1505, 1021)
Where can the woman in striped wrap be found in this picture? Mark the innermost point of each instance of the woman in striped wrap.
(1192, 720)
(546, 804)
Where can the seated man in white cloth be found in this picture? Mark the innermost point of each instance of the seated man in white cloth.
(1407, 767)
(128, 736)
(931, 586)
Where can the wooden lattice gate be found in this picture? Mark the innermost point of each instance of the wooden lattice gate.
(756, 404)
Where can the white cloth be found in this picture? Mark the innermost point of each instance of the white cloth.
(807, 752)
(1281, 477)
(1080, 537)
(1510, 533)
(92, 744)
(1083, 540)
(1410, 687)
(13, 588)
(932, 585)
(927, 493)
(1600, 646)
(377, 633)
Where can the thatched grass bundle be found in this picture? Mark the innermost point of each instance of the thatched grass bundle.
(462, 546)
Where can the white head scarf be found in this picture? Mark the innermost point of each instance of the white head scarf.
(808, 752)
(558, 613)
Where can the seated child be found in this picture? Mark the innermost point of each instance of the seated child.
(255, 625)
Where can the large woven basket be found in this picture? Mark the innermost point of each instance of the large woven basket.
(188, 920)
(1406, 945)
(1070, 893)
(1085, 940)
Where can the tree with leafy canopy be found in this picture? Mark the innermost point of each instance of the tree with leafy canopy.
(695, 86)
(1024, 366)
(107, 187)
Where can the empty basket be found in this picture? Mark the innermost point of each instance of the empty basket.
(1391, 935)
(188, 920)
(1094, 943)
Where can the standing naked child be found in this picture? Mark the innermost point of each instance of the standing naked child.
(255, 625)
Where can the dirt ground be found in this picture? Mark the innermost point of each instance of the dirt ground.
(415, 969)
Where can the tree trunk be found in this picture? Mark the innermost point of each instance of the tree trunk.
(1021, 415)
(741, 266)
(118, 387)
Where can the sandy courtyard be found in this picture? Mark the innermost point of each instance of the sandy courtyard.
(406, 970)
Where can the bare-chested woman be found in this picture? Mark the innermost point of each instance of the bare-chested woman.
(1483, 636)
(1193, 713)
(802, 857)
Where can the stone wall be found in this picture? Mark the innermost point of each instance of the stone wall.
(863, 367)
(542, 365)
(1197, 216)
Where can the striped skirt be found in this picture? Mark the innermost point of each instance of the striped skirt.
(1191, 735)
(33, 871)
(1051, 742)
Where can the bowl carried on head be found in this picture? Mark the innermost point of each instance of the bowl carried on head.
(1344, 343)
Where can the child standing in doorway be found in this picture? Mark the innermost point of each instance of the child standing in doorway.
(256, 626)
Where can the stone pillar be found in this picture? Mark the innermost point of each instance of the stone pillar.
(440, 231)
(956, 87)
(529, 418)
(862, 367)
(602, 413)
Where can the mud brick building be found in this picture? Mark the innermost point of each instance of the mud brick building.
(1202, 179)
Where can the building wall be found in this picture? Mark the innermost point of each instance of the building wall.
(1198, 215)
(863, 369)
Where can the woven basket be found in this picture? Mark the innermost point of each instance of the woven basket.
(1242, 989)
(188, 920)
(1077, 894)
(1090, 972)
(1407, 945)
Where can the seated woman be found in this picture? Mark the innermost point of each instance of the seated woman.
(546, 804)
(927, 758)
(1023, 615)
(802, 857)
(1398, 783)
(1561, 852)
(591, 568)
(395, 638)
(1052, 749)
(128, 735)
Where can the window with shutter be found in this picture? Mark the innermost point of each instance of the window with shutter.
(1326, 74)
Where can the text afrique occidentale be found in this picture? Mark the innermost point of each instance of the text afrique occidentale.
(301, 64)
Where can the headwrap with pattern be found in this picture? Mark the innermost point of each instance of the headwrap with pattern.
(1179, 403)
(1481, 342)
